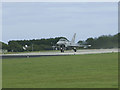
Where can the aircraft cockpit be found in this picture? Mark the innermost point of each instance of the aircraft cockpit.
(62, 39)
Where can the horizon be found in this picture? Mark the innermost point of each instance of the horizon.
(58, 37)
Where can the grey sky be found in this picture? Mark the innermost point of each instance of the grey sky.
(45, 20)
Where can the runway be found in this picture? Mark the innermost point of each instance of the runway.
(58, 53)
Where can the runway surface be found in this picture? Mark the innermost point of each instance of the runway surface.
(58, 53)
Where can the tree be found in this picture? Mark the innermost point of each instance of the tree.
(15, 47)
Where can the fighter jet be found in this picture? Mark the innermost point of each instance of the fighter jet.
(63, 43)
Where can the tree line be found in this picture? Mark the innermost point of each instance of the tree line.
(104, 41)
(33, 45)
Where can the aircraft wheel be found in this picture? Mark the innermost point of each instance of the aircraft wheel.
(75, 50)
(62, 50)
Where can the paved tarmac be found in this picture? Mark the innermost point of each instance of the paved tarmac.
(58, 53)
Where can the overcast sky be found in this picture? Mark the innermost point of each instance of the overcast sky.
(48, 20)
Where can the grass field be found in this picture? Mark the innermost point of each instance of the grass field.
(79, 71)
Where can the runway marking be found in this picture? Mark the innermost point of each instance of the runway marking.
(38, 54)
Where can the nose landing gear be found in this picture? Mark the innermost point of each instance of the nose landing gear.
(61, 49)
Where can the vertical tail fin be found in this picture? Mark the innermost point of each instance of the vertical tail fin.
(73, 39)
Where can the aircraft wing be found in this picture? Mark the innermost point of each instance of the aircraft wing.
(78, 45)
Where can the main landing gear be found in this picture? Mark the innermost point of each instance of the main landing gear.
(75, 50)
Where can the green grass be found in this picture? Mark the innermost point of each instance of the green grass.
(79, 71)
